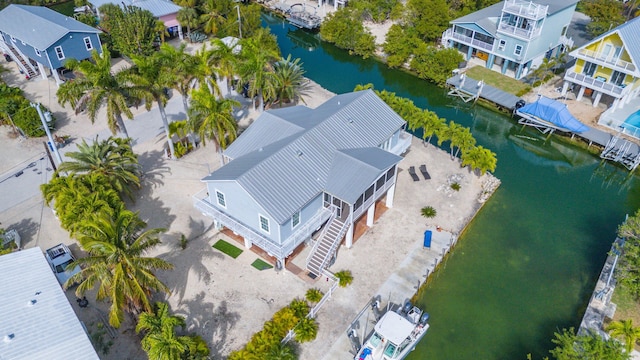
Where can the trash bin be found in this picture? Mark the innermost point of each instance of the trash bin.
(427, 239)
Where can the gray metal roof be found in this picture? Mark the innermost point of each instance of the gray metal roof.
(296, 147)
(488, 17)
(629, 32)
(45, 329)
(354, 170)
(39, 26)
(156, 7)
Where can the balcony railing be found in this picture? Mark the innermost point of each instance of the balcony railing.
(600, 58)
(526, 9)
(201, 202)
(467, 40)
(526, 34)
(599, 85)
(566, 41)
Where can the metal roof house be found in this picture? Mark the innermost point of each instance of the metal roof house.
(38, 38)
(165, 10)
(606, 69)
(38, 323)
(513, 36)
(295, 169)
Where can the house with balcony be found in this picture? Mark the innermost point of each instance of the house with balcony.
(296, 169)
(606, 70)
(164, 10)
(513, 36)
(40, 40)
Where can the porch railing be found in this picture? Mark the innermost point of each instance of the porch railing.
(527, 9)
(334, 213)
(201, 202)
(600, 58)
(404, 142)
(593, 83)
(526, 34)
(467, 40)
(376, 195)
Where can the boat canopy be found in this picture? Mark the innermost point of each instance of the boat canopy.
(554, 112)
(394, 327)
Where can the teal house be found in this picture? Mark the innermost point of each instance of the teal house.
(512, 36)
(40, 40)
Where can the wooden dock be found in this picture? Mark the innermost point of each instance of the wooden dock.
(469, 89)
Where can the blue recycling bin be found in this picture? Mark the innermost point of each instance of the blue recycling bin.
(427, 239)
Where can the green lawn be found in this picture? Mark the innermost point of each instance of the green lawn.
(626, 306)
(65, 8)
(227, 248)
(498, 80)
(261, 265)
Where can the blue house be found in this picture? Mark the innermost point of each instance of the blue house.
(513, 36)
(40, 40)
(297, 169)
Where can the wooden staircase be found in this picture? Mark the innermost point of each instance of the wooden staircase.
(326, 245)
(29, 70)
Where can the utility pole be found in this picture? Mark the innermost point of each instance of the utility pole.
(52, 143)
(239, 21)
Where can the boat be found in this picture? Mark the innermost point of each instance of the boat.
(395, 335)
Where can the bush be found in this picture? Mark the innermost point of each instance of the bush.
(344, 278)
(455, 186)
(314, 295)
(435, 64)
(428, 212)
(28, 120)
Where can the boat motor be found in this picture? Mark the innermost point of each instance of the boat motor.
(355, 342)
(407, 307)
(375, 307)
(424, 319)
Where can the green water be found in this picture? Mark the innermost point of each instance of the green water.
(527, 263)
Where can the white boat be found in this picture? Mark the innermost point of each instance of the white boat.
(395, 335)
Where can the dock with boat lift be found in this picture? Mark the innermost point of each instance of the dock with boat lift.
(469, 89)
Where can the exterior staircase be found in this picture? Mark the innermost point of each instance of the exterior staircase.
(326, 245)
(29, 70)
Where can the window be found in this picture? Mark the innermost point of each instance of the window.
(380, 182)
(518, 50)
(564, 30)
(88, 44)
(59, 52)
(391, 172)
(264, 223)
(220, 199)
(38, 52)
(589, 68)
(501, 45)
(617, 78)
(295, 219)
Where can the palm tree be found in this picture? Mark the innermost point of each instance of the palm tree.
(97, 86)
(211, 19)
(161, 30)
(116, 243)
(151, 80)
(213, 118)
(158, 320)
(256, 63)
(281, 352)
(433, 125)
(479, 158)
(112, 158)
(181, 65)
(626, 330)
(205, 69)
(224, 59)
(288, 81)
(188, 17)
(428, 211)
(462, 139)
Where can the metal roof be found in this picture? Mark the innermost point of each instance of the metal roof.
(39, 26)
(36, 311)
(285, 157)
(354, 170)
(488, 17)
(157, 7)
(629, 32)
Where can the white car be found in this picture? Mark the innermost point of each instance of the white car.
(59, 258)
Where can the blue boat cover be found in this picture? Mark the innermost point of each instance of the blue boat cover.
(554, 112)
(427, 238)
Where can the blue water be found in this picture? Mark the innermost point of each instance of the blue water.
(527, 264)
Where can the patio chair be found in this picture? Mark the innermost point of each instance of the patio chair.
(412, 172)
(425, 173)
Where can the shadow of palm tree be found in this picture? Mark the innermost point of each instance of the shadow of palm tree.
(213, 323)
(191, 259)
(154, 168)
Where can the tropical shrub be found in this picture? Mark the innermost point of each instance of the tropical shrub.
(307, 330)
(314, 295)
(345, 278)
(455, 186)
(435, 64)
(428, 212)
(344, 28)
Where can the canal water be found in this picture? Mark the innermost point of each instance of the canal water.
(526, 265)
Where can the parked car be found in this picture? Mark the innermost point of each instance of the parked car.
(59, 258)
